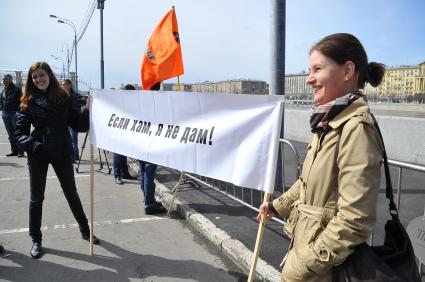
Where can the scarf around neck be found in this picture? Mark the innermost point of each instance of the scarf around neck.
(321, 115)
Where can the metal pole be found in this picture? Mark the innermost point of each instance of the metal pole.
(63, 70)
(76, 72)
(100, 6)
(62, 77)
(277, 69)
(277, 76)
(71, 24)
(67, 60)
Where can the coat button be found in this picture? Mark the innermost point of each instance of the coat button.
(323, 253)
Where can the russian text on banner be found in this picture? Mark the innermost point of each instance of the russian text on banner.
(229, 137)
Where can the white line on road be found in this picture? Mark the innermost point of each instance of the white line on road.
(75, 225)
(26, 178)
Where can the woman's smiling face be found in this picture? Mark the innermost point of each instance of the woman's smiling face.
(41, 79)
(326, 77)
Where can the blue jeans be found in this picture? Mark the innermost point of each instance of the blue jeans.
(119, 162)
(9, 119)
(74, 138)
(147, 184)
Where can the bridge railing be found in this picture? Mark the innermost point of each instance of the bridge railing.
(252, 198)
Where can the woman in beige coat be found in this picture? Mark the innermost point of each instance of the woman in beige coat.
(331, 208)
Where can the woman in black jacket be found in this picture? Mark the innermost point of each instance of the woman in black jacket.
(50, 110)
(67, 85)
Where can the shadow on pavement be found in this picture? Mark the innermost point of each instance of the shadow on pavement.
(10, 164)
(122, 266)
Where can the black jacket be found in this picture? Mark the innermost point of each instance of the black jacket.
(12, 98)
(77, 97)
(50, 139)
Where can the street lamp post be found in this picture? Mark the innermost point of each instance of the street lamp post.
(100, 6)
(71, 24)
(67, 58)
(63, 65)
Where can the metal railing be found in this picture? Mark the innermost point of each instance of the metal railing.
(253, 202)
(401, 166)
(409, 166)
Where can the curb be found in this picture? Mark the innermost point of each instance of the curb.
(233, 249)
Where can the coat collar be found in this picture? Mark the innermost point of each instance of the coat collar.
(356, 108)
(11, 85)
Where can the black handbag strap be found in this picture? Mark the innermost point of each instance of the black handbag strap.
(389, 186)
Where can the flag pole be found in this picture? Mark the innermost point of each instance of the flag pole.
(178, 82)
(259, 240)
(182, 177)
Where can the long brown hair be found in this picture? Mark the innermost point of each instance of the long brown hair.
(343, 47)
(55, 93)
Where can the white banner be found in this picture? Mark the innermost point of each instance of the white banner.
(229, 137)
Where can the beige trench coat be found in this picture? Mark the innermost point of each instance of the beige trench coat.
(326, 222)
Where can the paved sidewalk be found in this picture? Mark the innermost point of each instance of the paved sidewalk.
(134, 247)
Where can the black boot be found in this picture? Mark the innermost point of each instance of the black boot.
(118, 180)
(156, 208)
(36, 250)
(85, 235)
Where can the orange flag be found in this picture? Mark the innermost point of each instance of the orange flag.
(163, 56)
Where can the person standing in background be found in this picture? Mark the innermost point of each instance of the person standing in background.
(147, 184)
(67, 85)
(10, 106)
(147, 175)
(119, 162)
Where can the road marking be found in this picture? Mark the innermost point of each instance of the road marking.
(75, 225)
(27, 178)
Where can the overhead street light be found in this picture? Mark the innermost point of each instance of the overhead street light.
(71, 24)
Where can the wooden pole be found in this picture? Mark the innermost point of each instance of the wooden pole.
(178, 84)
(182, 176)
(258, 242)
(91, 197)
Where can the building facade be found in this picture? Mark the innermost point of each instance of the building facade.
(296, 87)
(239, 86)
(174, 87)
(403, 82)
(20, 77)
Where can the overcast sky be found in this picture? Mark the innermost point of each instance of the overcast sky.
(221, 39)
